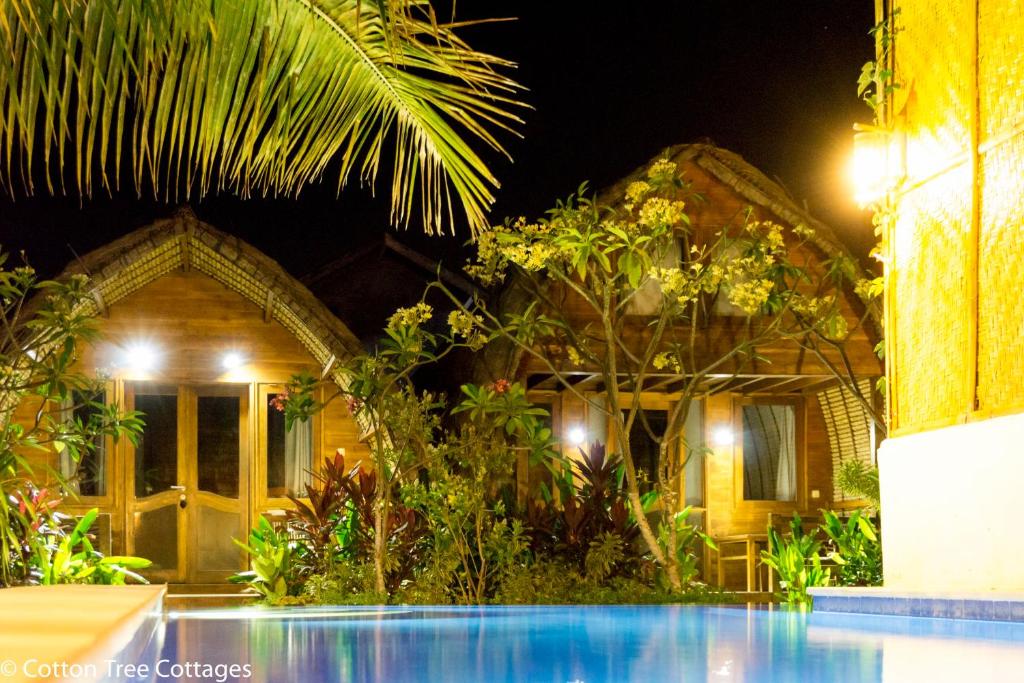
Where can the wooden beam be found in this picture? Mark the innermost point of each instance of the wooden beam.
(101, 305)
(268, 307)
(330, 364)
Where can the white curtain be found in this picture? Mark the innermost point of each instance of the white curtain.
(785, 478)
(298, 457)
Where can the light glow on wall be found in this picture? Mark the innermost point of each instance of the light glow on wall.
(577, 435)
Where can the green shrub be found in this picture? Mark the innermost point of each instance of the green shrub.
(273, 574)
(797, 561)
(855, 547)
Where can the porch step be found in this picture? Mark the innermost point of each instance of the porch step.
(203, 595)
(204, 588)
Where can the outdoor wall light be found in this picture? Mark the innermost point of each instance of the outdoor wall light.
(232, 360)
(140, 356)
(577, 435)
(877, 164)
(722, 436)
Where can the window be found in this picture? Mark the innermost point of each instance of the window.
(644, 448)
(156, 456)
(769, 452)
(88, 476)
(289, 454)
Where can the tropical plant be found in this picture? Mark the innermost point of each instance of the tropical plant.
(855, 547)
(859, 480)
(796, 559)
(325, 521)
(608, 259)
(683, 544)
(475, 537)
(71, 558)
(263, 97)
(272, 556)
(43, 324)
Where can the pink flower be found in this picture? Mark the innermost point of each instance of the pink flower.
(501, 386)
(353, 404)
(280, 401)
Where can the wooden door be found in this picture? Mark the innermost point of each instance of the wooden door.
(218, 481)
(155, 478)
(187, 483)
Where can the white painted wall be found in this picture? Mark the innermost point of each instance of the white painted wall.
(953, 507)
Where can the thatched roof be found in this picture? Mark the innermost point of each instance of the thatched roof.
(184, 242)
(747, 181)
(750, 185)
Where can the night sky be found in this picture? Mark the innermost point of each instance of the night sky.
(772, 81)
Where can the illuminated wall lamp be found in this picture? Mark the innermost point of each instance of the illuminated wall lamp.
(577, 435)
(722, 436)
(878, 162)
(140, 357)
(232, 360)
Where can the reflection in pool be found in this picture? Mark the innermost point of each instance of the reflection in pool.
(583, 644)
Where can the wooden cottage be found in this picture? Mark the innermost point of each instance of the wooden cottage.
(200, 331)
(777, 430)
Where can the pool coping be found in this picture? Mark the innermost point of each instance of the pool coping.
(74, 625)
(978, 606)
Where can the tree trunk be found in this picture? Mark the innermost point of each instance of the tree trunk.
(667, 562)
(380, 540)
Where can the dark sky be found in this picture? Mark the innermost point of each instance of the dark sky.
(773, 81)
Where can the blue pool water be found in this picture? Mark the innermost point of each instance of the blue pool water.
(579, 645)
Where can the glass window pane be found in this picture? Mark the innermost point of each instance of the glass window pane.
(217, 550)
(769, 452)
(156, 536)
(644, 448)
(156, 457)
(289, 455)
(88, 476)
(275, 451)
(217, 444)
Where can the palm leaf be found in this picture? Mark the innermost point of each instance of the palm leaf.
(251, 97)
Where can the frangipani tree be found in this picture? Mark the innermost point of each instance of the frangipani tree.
(253, 96)
(606, 259)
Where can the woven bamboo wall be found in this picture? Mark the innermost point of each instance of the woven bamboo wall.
(957, 246)
(1001, 230)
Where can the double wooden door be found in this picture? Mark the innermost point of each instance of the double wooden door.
(186, 485)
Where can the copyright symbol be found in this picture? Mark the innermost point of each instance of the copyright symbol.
(8, 668)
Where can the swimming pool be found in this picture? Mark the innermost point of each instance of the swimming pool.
(577, 645)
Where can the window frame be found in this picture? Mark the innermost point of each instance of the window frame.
(263, 500)
(800, 414)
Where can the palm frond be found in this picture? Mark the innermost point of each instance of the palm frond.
(251, 97)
